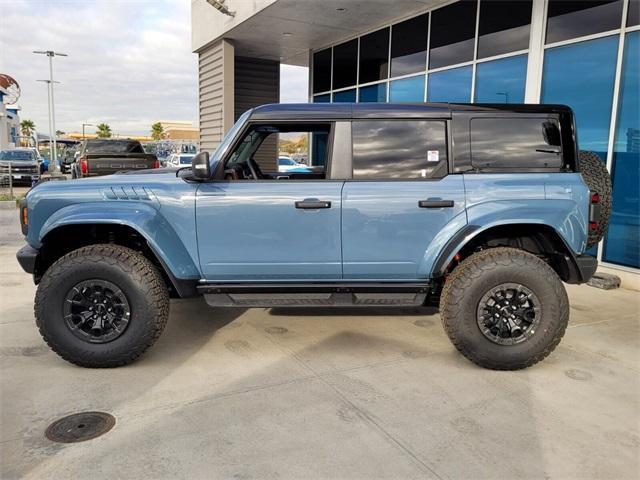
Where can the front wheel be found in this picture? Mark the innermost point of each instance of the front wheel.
(504, 308)
(101, 306)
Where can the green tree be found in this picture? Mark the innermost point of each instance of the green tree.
(103, 130)
(27, 127)
(157, 132)
(59, 133)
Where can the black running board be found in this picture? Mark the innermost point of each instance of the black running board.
(315, 294)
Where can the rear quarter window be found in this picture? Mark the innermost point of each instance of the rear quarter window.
(399, 149)
(515, 143)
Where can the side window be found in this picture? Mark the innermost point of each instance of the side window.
(399, 149)
(515, 142)
(279, 152)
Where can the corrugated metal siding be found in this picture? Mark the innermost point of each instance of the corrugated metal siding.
(211, 84)
(258, 82)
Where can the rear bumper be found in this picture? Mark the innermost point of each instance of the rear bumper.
(27, 257)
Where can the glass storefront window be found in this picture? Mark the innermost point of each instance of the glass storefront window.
(345, 64)
(450, 85)
(407, 90)
(345, 96)
(622, 243)
(453, 30)
(501, 81)
(322, 71)
(409, 46)
(373, 93)
(582, 75)
(374, 56)
(633, 13)
(326, 98)
(503, 27)
(572, 19)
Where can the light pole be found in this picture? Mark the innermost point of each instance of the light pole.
(506, 96)
(52, 116)
(85, 125)
(51, 132)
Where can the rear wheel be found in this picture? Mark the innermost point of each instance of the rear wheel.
(596, 176)
(504, 308)
(101, 306)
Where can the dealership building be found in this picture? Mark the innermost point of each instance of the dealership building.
(584, 54)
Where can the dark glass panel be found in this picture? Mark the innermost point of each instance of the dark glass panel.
(515, 143)
(322, 71)
(326, 98)
(345, 64)
(501, 81)
(622, 243)
(503, 27)
(571, 19)
(407, 90)
(582, 75)
(450, 85)
(374, 56)
(633, 13)
(453, 30)
(345, 96)
(409, 46)
(398, 149)
(374, 93)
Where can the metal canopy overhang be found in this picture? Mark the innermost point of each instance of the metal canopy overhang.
(286, 30)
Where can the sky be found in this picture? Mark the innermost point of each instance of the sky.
(129, 62)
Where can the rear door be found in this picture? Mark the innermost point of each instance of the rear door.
(399, 199)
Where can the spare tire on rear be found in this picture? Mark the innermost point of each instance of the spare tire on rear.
(596, 176)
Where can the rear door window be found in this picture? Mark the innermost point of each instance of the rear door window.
(515, 143)
(399, 149)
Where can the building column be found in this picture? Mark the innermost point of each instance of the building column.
(533, 89)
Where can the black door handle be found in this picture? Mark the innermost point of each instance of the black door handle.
(312, 204)
(435, 203)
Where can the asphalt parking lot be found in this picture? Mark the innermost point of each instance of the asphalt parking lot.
(282, 393)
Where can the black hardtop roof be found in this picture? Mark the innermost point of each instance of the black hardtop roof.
(297, 111)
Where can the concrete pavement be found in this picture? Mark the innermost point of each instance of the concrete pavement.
(286, 393)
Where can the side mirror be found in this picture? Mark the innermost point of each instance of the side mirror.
(200, 166)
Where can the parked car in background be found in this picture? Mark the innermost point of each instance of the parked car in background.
(23, 163)
(103, 157)
(287, 164)
(180, 159)
(68, 158)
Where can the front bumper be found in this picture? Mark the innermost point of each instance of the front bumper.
(27, 257)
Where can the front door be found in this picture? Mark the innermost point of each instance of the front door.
(399, 200)
(263, 225)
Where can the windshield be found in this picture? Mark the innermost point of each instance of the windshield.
(286, 161)
(16, 155)
(186, 158)
(228, 138)
(113, 146)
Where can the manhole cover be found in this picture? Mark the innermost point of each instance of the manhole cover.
(80, 427)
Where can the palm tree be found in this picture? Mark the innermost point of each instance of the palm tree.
(103, 130)
(157, 132)
(59, 133)
(27, 127)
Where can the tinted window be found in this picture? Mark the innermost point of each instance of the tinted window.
(374, 56)
(322, 71)
(399, 149)
(345, 64)
(633, 13)
(570, 19)
(409, 46)
(503, 27)
(407, 90)
(374, 93)
(16, 155)
(345, 96)
(450, 85)
(113, 146)
(326, 98)
(453, 30)
(515, 143)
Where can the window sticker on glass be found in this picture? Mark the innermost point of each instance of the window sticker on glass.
(433, 156)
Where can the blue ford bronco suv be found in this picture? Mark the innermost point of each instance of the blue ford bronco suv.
(484, 209)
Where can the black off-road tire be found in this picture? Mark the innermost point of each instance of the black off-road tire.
(133, 274)
(477, 275)
(596, 176)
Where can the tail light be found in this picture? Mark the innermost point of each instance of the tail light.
(594, 211)
(84, 166)
(156, 164)
(595, 197)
